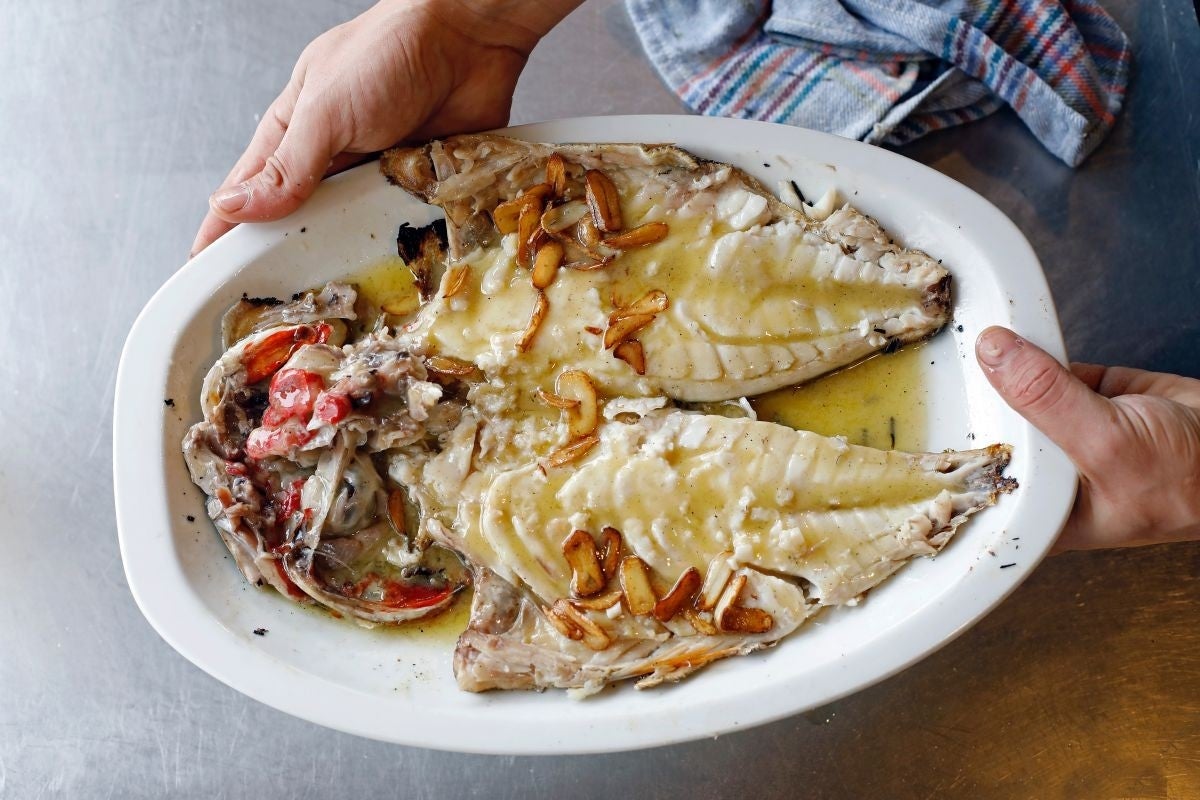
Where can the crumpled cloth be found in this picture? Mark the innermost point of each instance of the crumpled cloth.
(889, 71)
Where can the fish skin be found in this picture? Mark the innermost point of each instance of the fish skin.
(693, 352)
(334, 301)
(509, 644)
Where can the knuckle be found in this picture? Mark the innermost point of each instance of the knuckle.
(1039, 387)
(274, 172)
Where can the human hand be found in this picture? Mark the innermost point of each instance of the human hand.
(404, 69)
(1133, 435)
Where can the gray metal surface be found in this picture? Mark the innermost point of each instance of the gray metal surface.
(117, 119)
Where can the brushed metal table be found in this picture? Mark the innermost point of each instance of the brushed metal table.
(116, 120)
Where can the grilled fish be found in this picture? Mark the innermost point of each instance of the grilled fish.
(550, 416)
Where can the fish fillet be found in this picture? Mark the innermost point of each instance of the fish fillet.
(761, 296)
(788, 508)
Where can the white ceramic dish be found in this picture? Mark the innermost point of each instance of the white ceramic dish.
(399, 687)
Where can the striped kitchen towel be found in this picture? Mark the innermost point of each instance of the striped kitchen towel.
(889, 71)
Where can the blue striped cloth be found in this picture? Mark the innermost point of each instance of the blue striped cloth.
(889, 71)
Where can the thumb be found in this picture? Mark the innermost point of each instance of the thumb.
(1044, 392)
(288, 176)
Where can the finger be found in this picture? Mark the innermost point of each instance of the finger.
(288, 175)
(1116, 381)
(1127, 380)
(266, 138)
(344, 161)
(211, 229)
(1044, 392)
(1090, 374)
(263, 143)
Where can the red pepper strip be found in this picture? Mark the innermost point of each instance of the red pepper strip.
(399, 595)
(293, 590)
(292, 394)
(396, 594)
(264, 357)
(331, 408)
(263, 442)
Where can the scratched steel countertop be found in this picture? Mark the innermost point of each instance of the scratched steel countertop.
(116, 120)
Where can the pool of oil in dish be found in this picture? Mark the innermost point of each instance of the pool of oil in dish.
(385, 287)
(443, 627)
(880, 402)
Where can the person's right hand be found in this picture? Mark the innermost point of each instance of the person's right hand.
(1133, 435)
(405, 69)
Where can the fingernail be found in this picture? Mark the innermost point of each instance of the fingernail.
(996, 345)
(231, 200)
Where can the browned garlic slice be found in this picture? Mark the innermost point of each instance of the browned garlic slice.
(635, 582)
(576, 385)
(718, 575)
(733, 618)
(683, 591)
(456, 280)
(610, 554)
(601, 602)
(545, 265)
(654, 301)
(591, 634)
(449, 365)
(540, 307)
(624, 327)
(558, 218)
(631, 352)
(587, 578)
(641, 236)
(603, 200)
(572, 452)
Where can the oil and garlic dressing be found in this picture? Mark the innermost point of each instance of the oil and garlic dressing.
(880, 402)
(744, 287)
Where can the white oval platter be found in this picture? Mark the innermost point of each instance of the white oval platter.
(399, 687)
